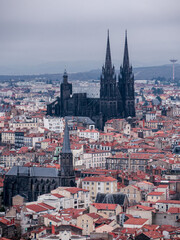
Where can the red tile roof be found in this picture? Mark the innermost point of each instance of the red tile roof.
(163, 186)
(151, 227)
(74, 190)
(72, 212)
(99, 179)
(103, 221)
(136, 221)
(146, 208)
(104, 206)
(153, 234)
(94, 215)
(155, 193)
(52, 217)
(174, 210)
(169, 201)
(3, 238)
(23, 150)
(5, 221)
(57, 195)
(46, 206)
(41, 229)
(36, 208)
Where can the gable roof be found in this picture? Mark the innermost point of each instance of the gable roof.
(36, 208)
(39, 207)
(111, 198)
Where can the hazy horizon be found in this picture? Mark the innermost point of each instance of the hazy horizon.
(42, 36)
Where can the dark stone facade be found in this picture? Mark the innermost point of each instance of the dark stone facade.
(116, 97)
(30, 182)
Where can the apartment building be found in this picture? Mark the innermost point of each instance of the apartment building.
(99, 184)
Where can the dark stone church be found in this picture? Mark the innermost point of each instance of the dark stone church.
(30, 182)
(116, 97)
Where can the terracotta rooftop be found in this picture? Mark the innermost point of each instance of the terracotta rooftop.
(94, 215)
(174, 210)
(155, 193)
(169, 201)
(153, 235)
(104, 206)
(58, 195)
(142, 207)
(136, 221)
(99, 179)
(40, 207)
(74, 190)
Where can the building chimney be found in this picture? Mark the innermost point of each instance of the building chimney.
(53, 229)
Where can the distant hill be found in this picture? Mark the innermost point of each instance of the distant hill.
(140, 73)
(156, 71)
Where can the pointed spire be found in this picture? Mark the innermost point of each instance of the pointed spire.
(65, 72)
(65, 76)
(108, 64)
(126, 54)
(66, 142)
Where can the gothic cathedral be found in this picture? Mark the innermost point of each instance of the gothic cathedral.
(116, 97)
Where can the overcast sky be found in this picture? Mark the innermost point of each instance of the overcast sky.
(47, 32)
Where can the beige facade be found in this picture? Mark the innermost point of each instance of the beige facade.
(108, 209)
(8, 159)
(156, 196)
(45, 143)
(153, 124)
(27, 125)
(164, 189)
(141, 211)
(95, 158)
(107, 137)
(50, 220)
(17, 200)
(75, 197)
(104, 228)
(145, 186)
(99, 184)
(8, 137)
(133, 193)
(36, 234)
(86, 222)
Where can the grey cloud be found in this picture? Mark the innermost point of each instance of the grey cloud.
(41, 31)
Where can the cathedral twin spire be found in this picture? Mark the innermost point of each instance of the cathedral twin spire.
(126, 54)
(108, 63)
